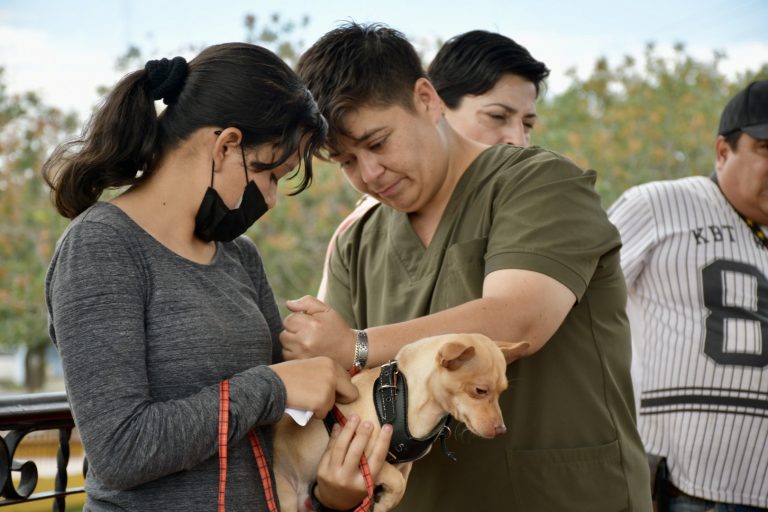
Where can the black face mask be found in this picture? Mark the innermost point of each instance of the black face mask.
(214, 221)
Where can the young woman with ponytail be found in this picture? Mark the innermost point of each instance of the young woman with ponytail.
(163, 315)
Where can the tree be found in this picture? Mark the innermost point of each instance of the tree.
(277, 34)
(30, 226)
(293, 236)
(635, 123)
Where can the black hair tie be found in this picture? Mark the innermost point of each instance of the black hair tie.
(165, 78)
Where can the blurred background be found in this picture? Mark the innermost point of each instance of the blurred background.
(635, 93)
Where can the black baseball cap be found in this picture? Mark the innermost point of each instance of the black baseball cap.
(747, 111)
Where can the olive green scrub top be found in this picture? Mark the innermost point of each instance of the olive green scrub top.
(571, 441)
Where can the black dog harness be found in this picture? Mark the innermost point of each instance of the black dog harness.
(390, 396)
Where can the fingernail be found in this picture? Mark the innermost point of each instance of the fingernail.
(367, 425)
(354, 418)
(336, 428)
(387, 427)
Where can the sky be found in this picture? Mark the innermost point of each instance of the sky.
(66, 49)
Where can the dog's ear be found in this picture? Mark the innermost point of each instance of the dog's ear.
(453, 354)
(512, 351)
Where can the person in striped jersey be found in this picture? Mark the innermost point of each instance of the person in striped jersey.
(695, 258)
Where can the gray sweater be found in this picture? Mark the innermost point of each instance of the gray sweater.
(145, 336)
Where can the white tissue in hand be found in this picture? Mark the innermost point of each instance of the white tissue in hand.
(300, 416)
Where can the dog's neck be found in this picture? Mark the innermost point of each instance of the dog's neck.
(424, 411)
(391, 400)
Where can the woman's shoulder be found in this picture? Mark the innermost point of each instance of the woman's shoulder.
(102, 216)
(96, 242)
(101, 227)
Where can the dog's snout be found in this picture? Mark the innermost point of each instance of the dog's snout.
(499, 429)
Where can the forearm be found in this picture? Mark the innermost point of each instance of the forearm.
(517, 305)
(130, 435)
(132, 440)
(497, 318)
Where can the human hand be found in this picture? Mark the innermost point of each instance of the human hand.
(314, 329)
(340, 484)
(315, 384)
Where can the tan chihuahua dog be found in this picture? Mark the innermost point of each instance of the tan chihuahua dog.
(461, 375)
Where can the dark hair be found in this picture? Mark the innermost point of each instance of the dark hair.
(472, 63)
(732, 139)
(228, 85)
(360, 65)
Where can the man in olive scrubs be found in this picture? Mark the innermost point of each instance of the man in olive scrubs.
(507, 241)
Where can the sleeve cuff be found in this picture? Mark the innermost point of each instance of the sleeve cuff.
(319, 507)
(541, 264)
(258, 396)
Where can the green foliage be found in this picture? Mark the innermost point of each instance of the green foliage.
(30, 226)
(292, 238)
(633, 122)
(638, 122)
(277, 34)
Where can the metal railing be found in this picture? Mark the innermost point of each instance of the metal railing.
(21, 415)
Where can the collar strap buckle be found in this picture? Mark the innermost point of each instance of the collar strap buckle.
(390, 397)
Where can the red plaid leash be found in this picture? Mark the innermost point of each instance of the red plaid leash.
(223, 438)
(261, 461)
(258, 453)
(266, 478)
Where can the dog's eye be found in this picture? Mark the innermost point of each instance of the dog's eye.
(481, 391)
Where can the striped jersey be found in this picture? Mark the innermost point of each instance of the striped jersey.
(697, 279)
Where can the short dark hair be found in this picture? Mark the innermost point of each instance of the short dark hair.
(732, 139)
(472, 63)
(358, 65)
(236, 85)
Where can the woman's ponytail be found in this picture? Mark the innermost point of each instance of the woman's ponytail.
(119, 141)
